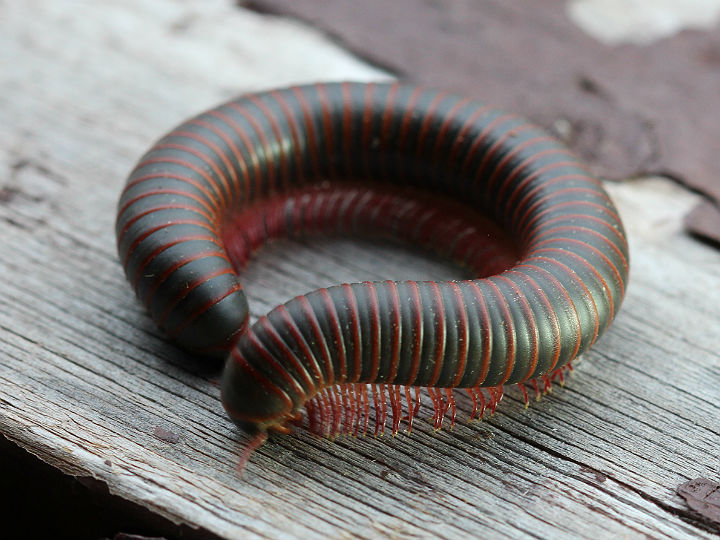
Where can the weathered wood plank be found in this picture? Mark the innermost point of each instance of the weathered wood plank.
(85, 378)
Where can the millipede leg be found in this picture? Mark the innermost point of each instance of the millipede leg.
(366, 401)
(344, 408)
(335, 413)
(325, 413)
(451, 404)
(312, 413)
(483, 403)
(472, 395)
(396, 405)
(496, 394)
(409, 417)
(350, 410)
(341, 411)
(383, 404)
(375, 392)
(437, 407)
(522, 388)
(356, 409)
(536, 388)
(398, 398)
(547, 384)
(443, 408)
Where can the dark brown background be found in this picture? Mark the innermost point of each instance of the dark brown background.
(628, 110)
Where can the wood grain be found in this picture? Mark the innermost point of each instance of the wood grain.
(86, 381)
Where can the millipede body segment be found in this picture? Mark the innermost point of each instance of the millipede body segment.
(478, 185)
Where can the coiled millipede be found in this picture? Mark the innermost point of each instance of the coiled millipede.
(479, 185)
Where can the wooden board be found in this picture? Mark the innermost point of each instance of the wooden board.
(86, 380)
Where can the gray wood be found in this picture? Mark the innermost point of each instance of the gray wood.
(86, 380)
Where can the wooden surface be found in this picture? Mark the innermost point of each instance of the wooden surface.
(86, 380)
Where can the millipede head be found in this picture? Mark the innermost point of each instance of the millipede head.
(254, 407)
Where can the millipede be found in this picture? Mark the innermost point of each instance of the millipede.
(542, 239)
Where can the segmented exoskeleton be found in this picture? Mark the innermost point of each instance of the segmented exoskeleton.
(481, 186)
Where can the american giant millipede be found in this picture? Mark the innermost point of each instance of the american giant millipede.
(482, 186)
